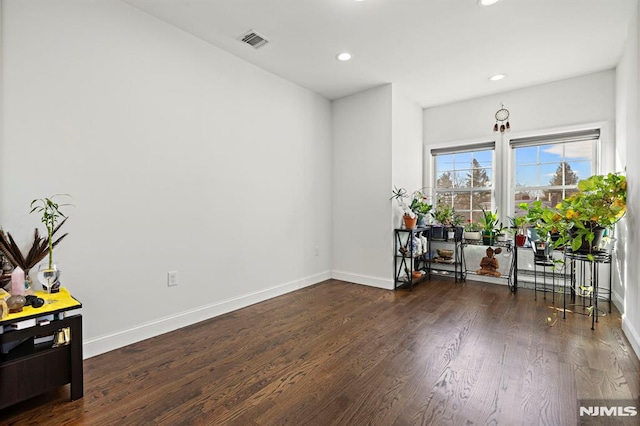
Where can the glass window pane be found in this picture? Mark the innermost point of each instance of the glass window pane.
(444, 180)
(444, 163)
(579, 151)
(484, 158)
(481, 199)
(537, 168)
(552, 197)
(481, 177)
(527, 176)
(463, 172)
(582, 169)
(445, 198)
(462, 179)
(463, 159)
(526, 155)
(462, 201)
(552, 174)
(551, 153)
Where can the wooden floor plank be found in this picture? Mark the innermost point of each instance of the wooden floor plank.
(340, 353)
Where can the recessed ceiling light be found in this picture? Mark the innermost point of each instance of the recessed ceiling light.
(487, 2)
(497, 77)
(344, 56)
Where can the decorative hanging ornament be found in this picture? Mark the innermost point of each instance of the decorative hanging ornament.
(502, 116)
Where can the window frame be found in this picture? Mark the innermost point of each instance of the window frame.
(476, 146)
(547, 138)
(503, 161)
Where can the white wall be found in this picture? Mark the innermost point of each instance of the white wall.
(178, 155)
(627, 154)
(377, 142)
(406, 162)
(548, 107)
(585, 99)
(362, 137)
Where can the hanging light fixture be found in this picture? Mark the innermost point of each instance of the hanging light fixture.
(502, 117)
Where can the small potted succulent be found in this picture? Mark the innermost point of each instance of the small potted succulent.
(472, 231)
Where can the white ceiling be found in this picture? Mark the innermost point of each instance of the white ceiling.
(434, 51)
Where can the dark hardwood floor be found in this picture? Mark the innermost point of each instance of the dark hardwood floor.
(340, 353)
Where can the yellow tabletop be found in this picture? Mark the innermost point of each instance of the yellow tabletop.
(62, 301)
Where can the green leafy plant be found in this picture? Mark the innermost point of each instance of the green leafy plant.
(546, 221)
(472, 226)
(400, 194)
(446, 215)
(519, 223)
(419, 204)
(50, 215)
(489, 222)
(600, 202)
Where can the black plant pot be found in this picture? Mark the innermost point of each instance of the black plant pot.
(437, 232)
(586, 248)
(541, 249)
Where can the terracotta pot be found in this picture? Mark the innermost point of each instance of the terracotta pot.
(410, 222)
(521, 240)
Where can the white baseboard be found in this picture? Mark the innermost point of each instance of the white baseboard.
(378, 282)
(632, 335)
(617, 301)
(102, 344)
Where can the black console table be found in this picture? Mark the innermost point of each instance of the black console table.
(29, 368)
(408, 260)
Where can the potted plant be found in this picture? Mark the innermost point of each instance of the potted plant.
(489, 224)
(445, 215)
(456, 227)
(547, 227)
(472, 231)
(519, 223)
(420, 206)
(600, 202)
(409, 216)
(580, 220)
(50, 215)
(41, 247)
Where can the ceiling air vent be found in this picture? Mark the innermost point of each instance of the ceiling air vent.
(254, 39)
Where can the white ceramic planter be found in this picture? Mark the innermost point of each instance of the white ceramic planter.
(472, 235)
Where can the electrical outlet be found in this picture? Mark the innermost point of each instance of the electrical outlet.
(172, 278)
(316, 251)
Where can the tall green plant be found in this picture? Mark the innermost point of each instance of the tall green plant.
(489, 221)
(50, 215)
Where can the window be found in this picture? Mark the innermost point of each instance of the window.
(548, 168)
(463, 178)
